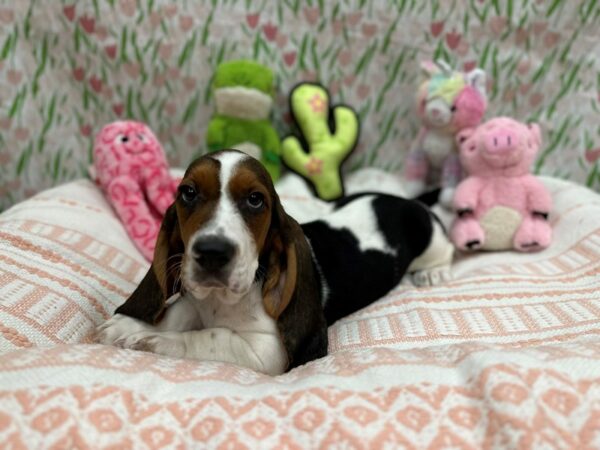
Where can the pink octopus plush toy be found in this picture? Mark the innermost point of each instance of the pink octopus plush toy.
(131, 168)
(501, 205)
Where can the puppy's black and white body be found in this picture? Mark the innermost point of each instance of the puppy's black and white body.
(235, 279)
(368, 243)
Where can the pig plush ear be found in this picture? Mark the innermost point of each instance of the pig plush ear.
(476, 79)
(463, 135)
(536, 133)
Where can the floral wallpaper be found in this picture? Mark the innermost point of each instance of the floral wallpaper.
(67, 68)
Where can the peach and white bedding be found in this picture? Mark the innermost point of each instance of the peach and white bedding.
(505, 356)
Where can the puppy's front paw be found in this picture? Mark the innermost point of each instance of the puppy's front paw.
(432, 277)
(117, 328)
(162, 344)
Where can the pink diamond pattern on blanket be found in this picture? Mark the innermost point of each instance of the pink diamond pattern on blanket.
(554, 408)
(105, 420)
(309, 419)
(259, 429)
(206, 429)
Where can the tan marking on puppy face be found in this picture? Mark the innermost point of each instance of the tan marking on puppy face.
(251, 178)
(203, 176)
(230, 198)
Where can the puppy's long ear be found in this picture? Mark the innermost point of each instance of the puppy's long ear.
(291, 290)
(280, 258)
(147, 302)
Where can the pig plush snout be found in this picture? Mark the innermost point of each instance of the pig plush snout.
(500, 146)
(501, 141)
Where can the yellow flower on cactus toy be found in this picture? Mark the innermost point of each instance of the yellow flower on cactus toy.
(318, 104)
(314, 166)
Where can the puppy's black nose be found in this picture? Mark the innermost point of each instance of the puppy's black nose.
(213, 252)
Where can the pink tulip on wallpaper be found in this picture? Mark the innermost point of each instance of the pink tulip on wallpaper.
(252, 20)
(87, 23)
(69, 12)
(111, 51)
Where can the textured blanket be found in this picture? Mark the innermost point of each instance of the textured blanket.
(506, 355)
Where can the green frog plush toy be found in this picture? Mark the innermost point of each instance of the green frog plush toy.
(243, 93)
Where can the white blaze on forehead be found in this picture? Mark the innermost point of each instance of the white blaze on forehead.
(229, 162)
(226, 214)
(228, 222)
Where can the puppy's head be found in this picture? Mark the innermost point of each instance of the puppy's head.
(226, 231)
(229, 217)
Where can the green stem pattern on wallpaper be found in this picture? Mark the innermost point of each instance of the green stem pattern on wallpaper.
(67, 67)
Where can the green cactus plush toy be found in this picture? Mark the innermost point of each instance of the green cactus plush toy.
(328, 136)
(243, 92)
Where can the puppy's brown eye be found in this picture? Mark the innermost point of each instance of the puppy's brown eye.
(255, 200)
(188, 193)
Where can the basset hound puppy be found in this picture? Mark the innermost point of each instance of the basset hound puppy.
(235, 279)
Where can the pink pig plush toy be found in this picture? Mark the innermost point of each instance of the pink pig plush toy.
(131, 168)
(501, 205)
